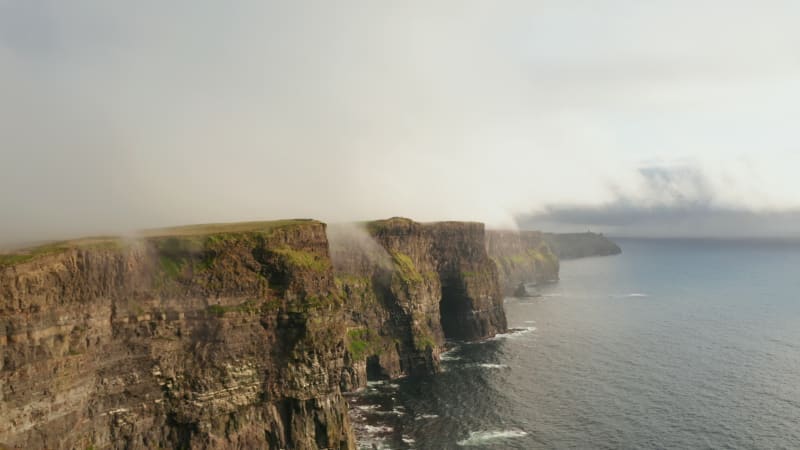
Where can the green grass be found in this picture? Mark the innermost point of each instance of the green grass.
(303, 259)
(346, 278)
(421, 343)
(363, 342)
(170, 266)
(221, 228)
(54, 248)
(185, 239)
(376, 226)
(405, 268)
(175, 254)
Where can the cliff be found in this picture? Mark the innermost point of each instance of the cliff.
(232, 336)
(410, 286)
(581, 245)
(201, 337)
(521, 257)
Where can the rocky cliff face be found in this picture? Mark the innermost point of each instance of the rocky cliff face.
(230, 337)
(521, 257)
(409, 287)
(472, 301)
(199, 340)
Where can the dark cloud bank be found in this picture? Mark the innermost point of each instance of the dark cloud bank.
(673, 202)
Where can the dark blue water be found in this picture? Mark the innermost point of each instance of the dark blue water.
(674, 344)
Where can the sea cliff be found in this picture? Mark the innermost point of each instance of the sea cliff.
(233, 336)
(581, 245)
(240, 336)
(521, 257)
(191, 338)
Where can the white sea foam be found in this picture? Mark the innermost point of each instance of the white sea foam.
(367, 407)
(493, 366)
(426, 416)
(378, 443)
(481, 437)
(449, 356)
(378, 429)
(393, 412)
(408, 440)
(637, 294)
(513, 333)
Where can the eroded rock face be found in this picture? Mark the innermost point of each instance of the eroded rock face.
(521, 257)
(231, 338)
(409, 287)
(472, 301)
(225, 341)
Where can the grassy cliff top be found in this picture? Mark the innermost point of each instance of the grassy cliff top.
(23, 255)
(376, 226)
(233, 227)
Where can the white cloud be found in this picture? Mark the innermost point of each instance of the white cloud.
(121, 117)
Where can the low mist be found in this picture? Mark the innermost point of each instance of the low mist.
(120, 117)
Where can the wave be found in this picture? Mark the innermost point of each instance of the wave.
(393, 412)
(512, 333)
(481, 437)
(448, 356)
(493, 366)
(367, 407)
(426, 416)
(632, 295)
(378, 429)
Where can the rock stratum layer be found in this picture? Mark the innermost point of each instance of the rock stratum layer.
(238, 336)
(198, 339)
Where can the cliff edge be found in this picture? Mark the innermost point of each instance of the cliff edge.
(522, 257)
(581, 245)
(230, 336)
(410, 286)
(226, 337)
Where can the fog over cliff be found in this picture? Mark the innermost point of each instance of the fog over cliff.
(629, 117)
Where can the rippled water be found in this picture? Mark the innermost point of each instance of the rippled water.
(674, 344)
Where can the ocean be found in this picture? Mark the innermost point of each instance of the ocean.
(674, 344)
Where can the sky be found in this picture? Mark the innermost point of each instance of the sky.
(657, 118)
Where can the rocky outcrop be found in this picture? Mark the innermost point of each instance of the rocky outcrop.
(521, 257)
(581, 245)
(199, 339)
(410, 286)
(230, 336)
(472, 301)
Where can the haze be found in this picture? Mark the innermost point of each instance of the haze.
(636, 118)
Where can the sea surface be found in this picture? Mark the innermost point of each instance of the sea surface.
(674, 344)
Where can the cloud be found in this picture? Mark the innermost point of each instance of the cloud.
(671, 201)
(118, 117)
